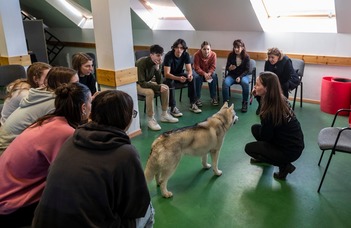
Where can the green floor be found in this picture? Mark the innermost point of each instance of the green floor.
(247, 195)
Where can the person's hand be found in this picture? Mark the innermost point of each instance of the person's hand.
(163, 88)
(182, 79)
(190, 77)
(95, 94)
(207, 76)
(232, 67)
(157, 66)
(238, 79)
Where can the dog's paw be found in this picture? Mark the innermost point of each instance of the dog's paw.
(218, 172)
(167, 194)
(206, 166)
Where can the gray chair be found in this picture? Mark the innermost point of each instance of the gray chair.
(336, 139)
(299, 66)
(139, 54)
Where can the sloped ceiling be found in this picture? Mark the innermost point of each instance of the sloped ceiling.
(203, 15)
(220, 15)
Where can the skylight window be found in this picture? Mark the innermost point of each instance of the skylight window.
(161, 15)
(73, 11)
(296, 15)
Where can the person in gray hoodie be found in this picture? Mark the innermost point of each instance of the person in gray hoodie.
(40, 101)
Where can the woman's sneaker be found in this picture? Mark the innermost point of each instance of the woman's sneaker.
(168, 118)
(194, 108)
(175, 112)
(198, 103)
(214, 102)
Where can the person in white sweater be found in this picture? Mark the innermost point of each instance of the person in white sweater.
(40, 101)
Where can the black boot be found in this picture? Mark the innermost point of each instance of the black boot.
(244, 106)
(284, 171)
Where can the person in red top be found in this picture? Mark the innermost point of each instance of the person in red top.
(204, 69)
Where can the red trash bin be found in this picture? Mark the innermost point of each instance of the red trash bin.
(335, 94)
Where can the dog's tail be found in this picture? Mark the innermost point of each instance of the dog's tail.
(149, 171)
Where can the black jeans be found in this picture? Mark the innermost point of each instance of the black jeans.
(172, 84)
(268, 152)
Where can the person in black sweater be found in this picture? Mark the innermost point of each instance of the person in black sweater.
(97, 179)
(84, 65)
(280, 140)
(281, 65)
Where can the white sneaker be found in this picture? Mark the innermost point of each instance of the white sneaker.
(153, 125)
(194, 108)
(168, 118)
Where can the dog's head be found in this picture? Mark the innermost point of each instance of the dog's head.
(229, 113)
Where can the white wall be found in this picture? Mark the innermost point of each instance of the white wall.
(297, 43)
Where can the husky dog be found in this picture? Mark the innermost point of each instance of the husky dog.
(198, 140)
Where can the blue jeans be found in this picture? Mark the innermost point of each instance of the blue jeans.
(229, 81)
(198, 85)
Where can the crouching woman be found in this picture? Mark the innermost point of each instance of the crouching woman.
(280, 140)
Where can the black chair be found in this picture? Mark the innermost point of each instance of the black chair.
(251, 73)
(336, 139)
(8, 74)
(139, 54)
(299, 66)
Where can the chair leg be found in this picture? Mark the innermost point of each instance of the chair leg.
(145, 106)
(325, 171)
(293, 107)
(301, 89)
(180, 95)
(320, 159)
(217, 91)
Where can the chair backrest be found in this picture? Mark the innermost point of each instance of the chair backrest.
(9, 73)
(252, 69)
(299, 65)
(141, 53)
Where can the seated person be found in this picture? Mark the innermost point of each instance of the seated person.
(84, 66)
(204, 70)
(173, 72)
(281, 65)
(38, 103)
(97, 179)
(25, 163)
(17, 90)
(238, 65)
(149, 68)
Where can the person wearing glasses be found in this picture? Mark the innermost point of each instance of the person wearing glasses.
(173, 71)
(97, 179)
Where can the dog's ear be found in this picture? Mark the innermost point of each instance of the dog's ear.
(232, 106)
(225, 105)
